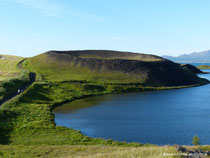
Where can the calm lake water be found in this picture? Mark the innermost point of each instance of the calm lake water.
(158, 117)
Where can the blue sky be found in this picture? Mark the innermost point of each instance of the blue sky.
(161, 27)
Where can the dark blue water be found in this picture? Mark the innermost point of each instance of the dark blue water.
(158, 117)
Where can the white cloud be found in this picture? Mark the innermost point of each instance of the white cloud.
(44, 6)
(56, 8)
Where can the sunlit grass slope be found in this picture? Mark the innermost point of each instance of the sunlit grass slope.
(8, 66)
(54, 69)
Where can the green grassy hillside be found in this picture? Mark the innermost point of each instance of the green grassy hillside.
(110, 67)
(12, 77)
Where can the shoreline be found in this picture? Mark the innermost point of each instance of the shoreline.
(62, 95)
(142, 89)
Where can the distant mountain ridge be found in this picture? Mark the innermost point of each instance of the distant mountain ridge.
(196, 57)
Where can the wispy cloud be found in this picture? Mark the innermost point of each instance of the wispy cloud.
(58, 9)
(44, 6)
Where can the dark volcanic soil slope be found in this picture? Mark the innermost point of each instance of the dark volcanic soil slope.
(111, 67)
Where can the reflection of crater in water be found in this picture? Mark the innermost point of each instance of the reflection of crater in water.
(82, 103)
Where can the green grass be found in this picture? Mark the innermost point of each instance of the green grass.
(11, 77)
(10, 86)
(78, 151)
(94, 151)
(127, 58)
(8, 66)
(203, 67)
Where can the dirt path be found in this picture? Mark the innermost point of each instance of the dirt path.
(22, 89)
(19, 64)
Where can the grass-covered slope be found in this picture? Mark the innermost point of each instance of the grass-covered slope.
(10, 86)
(8, 66)
(12, 77)
(111, 67)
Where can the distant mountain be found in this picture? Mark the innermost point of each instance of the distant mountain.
(196, 57)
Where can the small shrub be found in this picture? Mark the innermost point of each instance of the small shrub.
(196, 140)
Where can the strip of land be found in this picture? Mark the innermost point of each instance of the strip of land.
(203, 67)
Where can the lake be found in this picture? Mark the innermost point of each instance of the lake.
(156, 117)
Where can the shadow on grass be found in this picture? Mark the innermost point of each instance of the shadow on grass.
(6, 127)
(37, 93)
